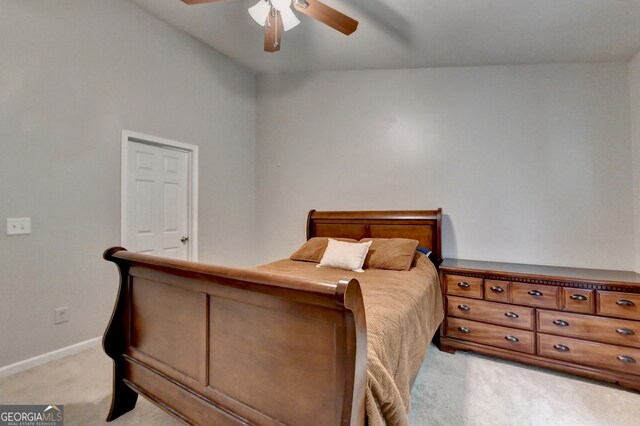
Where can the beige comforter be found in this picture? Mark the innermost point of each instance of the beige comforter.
(403, 310)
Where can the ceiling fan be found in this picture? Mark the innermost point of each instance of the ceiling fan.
(277, 15)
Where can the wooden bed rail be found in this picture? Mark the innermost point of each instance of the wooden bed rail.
(217, 345)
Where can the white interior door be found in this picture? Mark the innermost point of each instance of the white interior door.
(157, 201)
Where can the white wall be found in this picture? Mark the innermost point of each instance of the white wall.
(634, 88)
(73, 74)
(530, 163)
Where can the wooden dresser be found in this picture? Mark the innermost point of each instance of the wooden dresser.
(579, 321)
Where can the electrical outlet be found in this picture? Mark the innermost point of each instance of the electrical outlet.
(18, 225)
(62, 315)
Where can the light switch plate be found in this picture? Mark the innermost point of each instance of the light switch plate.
(18, 225)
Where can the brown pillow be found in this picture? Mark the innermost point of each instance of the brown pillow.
(313, 250)
(390, 253)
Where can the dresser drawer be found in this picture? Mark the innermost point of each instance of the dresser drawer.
(495, 313)
(495, 290)
(577, 300)
(599, 329)
(492, 335)
(464, 286)
(619, 358)
(621, 305)
(544, 296)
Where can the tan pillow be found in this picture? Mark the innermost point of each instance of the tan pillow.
(344, 255)
(313, 250)
(390, 253)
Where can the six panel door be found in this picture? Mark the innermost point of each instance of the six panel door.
(157, 201)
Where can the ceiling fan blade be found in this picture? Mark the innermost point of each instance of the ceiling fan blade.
(200, 1)
(273, 32)
(327, 15)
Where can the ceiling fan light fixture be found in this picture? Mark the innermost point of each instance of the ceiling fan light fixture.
(277, 16)
(260, 11)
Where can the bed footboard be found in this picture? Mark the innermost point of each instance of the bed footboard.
(215, 345)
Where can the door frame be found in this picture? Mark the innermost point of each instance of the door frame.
(192, 214)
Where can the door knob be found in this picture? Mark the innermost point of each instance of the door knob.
(184, 240)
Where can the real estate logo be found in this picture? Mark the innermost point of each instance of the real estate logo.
(31, 415)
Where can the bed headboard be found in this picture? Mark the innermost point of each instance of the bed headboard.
(421, 225)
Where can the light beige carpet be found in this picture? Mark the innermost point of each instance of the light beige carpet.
(460, 389)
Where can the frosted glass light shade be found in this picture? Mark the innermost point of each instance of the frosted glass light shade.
(260, 11)
(289, 19)
(281, 5)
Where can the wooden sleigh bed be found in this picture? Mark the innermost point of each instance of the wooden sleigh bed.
(214, 345)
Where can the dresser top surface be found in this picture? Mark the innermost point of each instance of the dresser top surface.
(599, 275)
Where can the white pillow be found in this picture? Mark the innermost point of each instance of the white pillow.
(343, 255)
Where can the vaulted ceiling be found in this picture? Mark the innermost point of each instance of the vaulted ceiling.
(420, 33)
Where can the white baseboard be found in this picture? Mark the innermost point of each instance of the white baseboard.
(17, 367)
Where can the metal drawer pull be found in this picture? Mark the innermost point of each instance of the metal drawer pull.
(497, 288)
(561, 323)
(579, 297)
(625, 331)
(512, 339)
(464, 329)
(561, 348)
(623, 302)
(511, 315)
(464, 307)
(627, 359)
(535, 293)
(463, 285)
